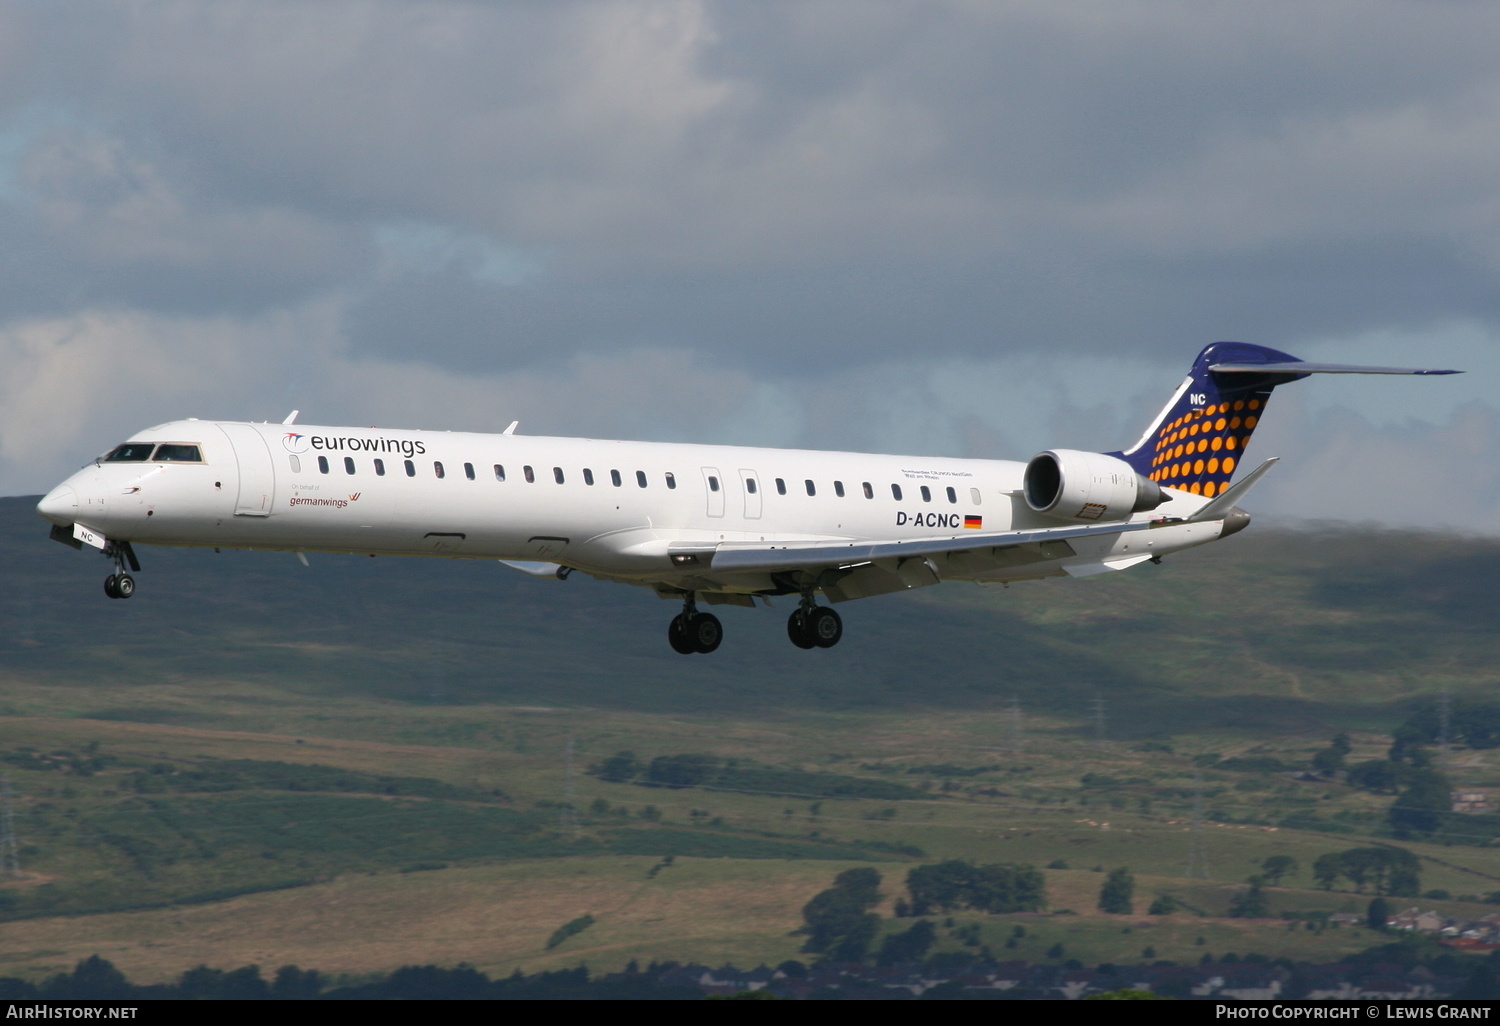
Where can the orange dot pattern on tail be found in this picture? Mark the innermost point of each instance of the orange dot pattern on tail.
(1199, 450)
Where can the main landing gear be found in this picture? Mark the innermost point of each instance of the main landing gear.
(814, 626)
(811, 626)
(691, 631)
(120, 585)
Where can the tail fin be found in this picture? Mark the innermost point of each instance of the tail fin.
(1198, 439)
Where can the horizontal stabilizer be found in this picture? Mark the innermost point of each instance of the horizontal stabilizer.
(1231, 496)
(1299, 367)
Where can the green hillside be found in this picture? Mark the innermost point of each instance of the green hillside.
(366, 762)
(1269, 627)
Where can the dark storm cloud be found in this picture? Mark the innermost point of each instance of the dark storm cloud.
(768, 180)
(809, 202)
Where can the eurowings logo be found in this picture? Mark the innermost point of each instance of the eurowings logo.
(355, 496)
(294, 442)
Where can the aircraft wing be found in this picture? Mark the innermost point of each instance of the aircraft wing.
(735, 557)
(738, 557)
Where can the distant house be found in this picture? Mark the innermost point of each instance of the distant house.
(1469, 801)
(1416, 921)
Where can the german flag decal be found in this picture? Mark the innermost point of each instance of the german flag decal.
(973, 522)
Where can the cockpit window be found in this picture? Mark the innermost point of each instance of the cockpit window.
(130, 452)
(177, 453)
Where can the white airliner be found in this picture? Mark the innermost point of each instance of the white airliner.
(716, 524)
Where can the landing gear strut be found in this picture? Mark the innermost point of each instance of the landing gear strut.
(691, 631)
(120, 585)
(814, 626)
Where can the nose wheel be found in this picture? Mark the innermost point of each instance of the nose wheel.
(120, 585)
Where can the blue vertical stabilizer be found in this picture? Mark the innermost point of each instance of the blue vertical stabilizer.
(1197, 441)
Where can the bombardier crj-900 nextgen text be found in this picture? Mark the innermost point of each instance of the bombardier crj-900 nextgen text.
(696, 523)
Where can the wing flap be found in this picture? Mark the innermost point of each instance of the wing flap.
(535, 568)
(812, 555)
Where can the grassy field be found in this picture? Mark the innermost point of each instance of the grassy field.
(483, 868)
(366, 763)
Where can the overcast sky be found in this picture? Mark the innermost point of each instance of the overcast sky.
(963, 228)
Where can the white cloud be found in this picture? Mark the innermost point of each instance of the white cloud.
(1342, 466)
(75, 386)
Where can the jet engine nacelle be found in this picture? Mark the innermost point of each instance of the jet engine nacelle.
(1073, 485)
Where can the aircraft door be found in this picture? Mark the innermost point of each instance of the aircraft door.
(751, 484)
(713, 484)
(257, 495)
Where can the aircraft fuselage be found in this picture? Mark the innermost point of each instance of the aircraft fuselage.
(616, 509)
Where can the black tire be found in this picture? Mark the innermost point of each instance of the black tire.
(824, 627)
(124, 586)
(677, 636)
(706, 631)
(796, 629)
(109, 586)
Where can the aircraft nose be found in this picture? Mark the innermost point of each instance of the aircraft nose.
(60, 505)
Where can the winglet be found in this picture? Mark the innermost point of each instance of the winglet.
(291, 417)
(512, 429)
(1230, 497)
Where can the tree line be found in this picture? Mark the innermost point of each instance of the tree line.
(709, 771)
(840, 923)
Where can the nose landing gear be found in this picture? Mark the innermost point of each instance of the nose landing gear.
(120, 585)
(691, 631)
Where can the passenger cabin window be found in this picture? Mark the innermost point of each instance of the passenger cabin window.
(838, 489)
(174, 453)
(869, 492)
(588, 476)
(411, 468)
(671, 480)
(469, 471)
(896, 492)
(348, 464)
(780, 486)
(529, 475)
(811, 488)
(640, 478)
(952, 495)
(437, 468)
(713, 483)
(499, 472)
(380, 468)
(322, 464)
(296, 465)
(750, 485)
(130, 452)
(926, 494)
(614, 477)
(557, 474)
